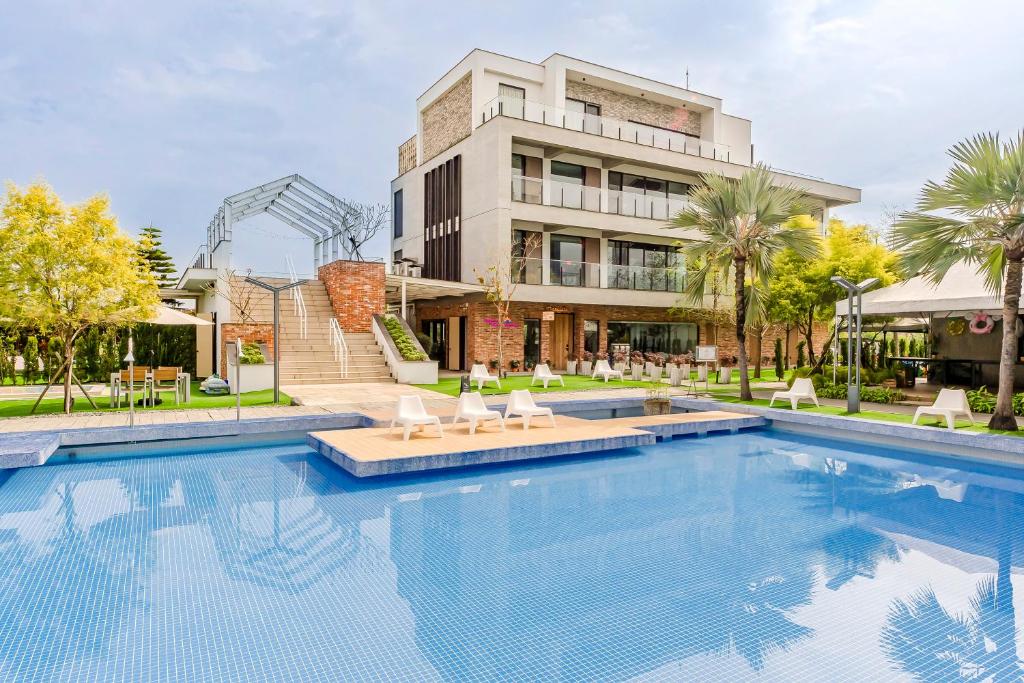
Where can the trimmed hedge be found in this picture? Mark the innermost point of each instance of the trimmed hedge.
(403, 343)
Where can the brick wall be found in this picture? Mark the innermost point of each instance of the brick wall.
(356, 289)
(407, 155)
(629, 108)
(481, 337)
(260, 333)
(448, 119)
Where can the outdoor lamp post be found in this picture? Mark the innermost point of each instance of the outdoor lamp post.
(276, 291)
(852, 290)
(130, 360)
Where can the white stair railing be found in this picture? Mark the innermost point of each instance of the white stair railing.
(340, 346)
(297, 299)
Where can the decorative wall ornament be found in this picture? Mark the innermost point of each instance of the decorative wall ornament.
(982, 323)
(956, 326)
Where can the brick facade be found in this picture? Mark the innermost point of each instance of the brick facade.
(356, 290)
(481, 337)
(448, 119)
(407, 155)
(260, 333)
(629, 108)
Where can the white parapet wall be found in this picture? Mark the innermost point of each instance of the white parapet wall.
(404, 371)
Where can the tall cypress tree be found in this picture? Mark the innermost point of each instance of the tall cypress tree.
(160, 262)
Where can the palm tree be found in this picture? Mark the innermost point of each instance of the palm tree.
(743, 224)
(981, 222)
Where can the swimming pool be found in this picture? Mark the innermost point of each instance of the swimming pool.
(762, 555)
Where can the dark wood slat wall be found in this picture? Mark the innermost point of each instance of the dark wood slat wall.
(442, 218)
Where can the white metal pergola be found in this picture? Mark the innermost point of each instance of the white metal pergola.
(296, 202)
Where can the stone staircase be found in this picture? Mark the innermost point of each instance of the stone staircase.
(311, 360)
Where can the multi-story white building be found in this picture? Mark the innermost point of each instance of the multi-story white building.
(574, 168)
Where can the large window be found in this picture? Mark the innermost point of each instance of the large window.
(591, 335)
(531, 341)
(527, 264)
(653, 267)
(396, 214)
(654, 337)
(567, 267)
(563, 172)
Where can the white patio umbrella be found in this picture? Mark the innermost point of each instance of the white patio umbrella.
(165, 315)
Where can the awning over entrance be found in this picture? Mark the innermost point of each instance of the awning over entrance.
(962, 290)
(418, 288)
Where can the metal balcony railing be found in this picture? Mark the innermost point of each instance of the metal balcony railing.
(550, 192)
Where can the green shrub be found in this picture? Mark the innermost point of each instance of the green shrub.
(982, 400)
(406, 347)
(867, 394)
(780, 369)
(801, 354)
(252, 354)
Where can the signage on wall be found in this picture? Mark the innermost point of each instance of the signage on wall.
(547, 315)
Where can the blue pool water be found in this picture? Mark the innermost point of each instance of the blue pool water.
(760, 556)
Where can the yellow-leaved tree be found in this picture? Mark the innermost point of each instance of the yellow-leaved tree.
(68, 268)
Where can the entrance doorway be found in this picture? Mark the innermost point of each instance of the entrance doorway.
(561, 340)
(447, 341)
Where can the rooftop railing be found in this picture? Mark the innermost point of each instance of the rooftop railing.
(607, 127)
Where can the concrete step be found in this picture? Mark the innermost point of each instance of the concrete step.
(340, 380)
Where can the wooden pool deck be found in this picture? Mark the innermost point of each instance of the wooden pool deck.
(379, 451)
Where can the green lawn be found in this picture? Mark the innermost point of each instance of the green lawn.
(879, 415)
(49, 406)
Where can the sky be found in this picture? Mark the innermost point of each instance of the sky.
(168, 107)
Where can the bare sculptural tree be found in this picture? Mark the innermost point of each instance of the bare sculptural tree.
(357, 224)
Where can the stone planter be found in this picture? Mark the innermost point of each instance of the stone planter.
(252, 378)
(669, 367)
(657, 406)
(655, 374)
(685, 372)
(648, 367)
(620, 366)
(675, 376)
(637, 371)
(725, 376)
(570, 367)
(585, 367)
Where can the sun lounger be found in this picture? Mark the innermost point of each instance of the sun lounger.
(542, 373)
(473, 410)
(950, 403)
(802, 390)
(520, 402)
(411, 413)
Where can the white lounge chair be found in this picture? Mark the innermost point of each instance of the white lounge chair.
(949, 404)
(542, 373)
(520, 402)
(602, 368)
(411, 413)
(802, 389)
(478, 373)
(473, 410)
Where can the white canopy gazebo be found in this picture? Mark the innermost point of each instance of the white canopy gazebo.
(961, 291)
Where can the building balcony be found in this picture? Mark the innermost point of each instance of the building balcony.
(615, 129)
(537, 271)
(565, 195)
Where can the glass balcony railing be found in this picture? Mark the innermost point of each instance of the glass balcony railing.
(645, 278)
(608, 127)
(551, 192)
(531, 271)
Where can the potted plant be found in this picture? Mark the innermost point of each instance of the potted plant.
(587, 363)
(636, 360)
(675, 370)
(686, 363)
(570, 366)
(656, 362)
(619, 359)
(725, 372)
(253, 371)
(514, 364)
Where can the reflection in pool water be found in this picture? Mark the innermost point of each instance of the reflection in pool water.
(760, 555)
